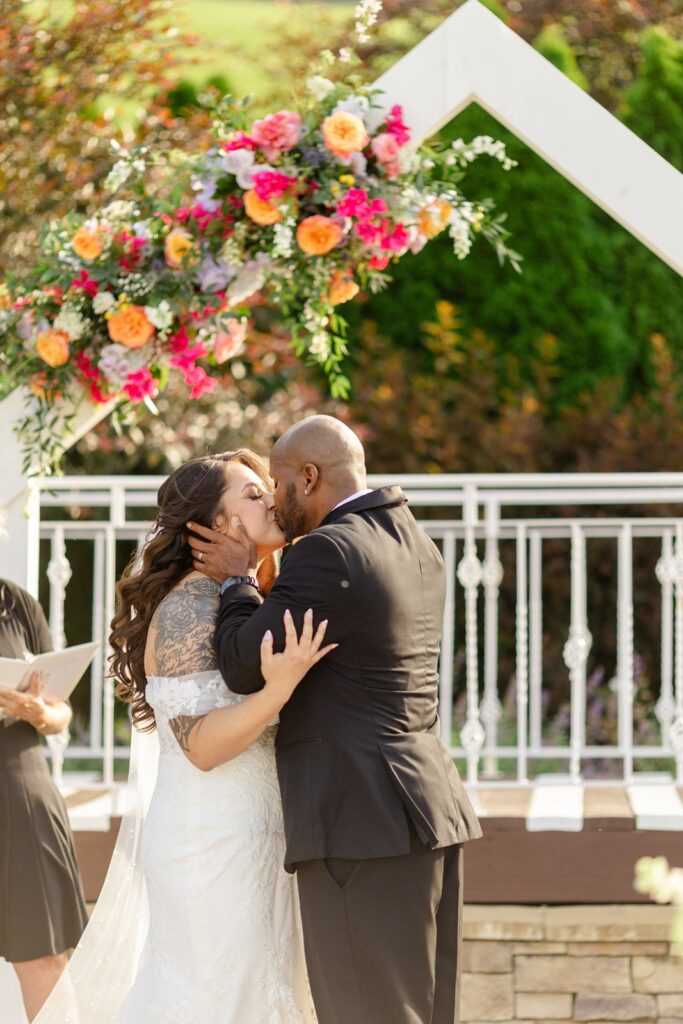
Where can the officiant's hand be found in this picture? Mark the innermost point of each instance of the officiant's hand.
(219, 555)
(30, 706)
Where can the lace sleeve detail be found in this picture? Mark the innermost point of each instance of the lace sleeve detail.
(183, 629)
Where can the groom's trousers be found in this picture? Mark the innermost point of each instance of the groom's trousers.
(382, 937)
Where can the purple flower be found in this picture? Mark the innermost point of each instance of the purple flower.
(213, 275)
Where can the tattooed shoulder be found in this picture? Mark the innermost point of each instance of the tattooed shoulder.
(183, 629)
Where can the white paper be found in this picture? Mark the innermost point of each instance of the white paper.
(61, 670)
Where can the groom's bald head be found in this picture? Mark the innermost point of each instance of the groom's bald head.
(315, 465)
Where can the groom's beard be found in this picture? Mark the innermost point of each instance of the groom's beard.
(291, 517)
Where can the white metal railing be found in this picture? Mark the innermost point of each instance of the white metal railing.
(483, 521)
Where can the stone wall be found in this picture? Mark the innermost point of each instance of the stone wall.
(579, 963)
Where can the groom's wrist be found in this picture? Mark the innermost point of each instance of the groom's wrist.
(233, 581)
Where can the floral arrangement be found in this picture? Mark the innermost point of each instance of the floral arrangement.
(302, 208)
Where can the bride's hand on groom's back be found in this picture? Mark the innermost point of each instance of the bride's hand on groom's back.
(284, 671)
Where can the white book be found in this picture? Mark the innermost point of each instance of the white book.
(61, 670)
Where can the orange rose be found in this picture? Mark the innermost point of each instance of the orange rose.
(344, 133)
(44, 388)
(130, 327)
(53, 347)
(177, 245)
(318, 235)
(86, 244)
(434, 218)
(260, 210)
(342, 287)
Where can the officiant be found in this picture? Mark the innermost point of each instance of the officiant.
(42, 910)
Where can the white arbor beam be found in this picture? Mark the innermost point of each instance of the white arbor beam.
(15, 491)
(474, 57)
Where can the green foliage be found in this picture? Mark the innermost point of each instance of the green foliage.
(552, 43)
(653, 106)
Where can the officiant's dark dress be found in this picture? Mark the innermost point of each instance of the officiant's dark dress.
(375, 812)
(42, 910)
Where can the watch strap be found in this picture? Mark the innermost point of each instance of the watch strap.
(233, 581)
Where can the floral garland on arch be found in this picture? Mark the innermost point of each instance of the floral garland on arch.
(303, 207)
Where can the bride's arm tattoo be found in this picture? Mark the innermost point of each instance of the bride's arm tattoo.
(181, 727)
(184, 626)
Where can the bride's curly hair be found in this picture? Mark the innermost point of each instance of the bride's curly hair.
(192, 493)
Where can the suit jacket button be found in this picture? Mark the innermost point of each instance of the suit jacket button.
(345, 584)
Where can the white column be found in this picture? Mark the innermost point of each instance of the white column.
(576, 650)
(469, 576)
(59, 574)
(665, 570)
(522, 672)
(676, 730)
(625, 667)
(447, 644)
(492, 577)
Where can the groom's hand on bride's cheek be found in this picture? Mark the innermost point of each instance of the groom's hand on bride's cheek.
(218, 555)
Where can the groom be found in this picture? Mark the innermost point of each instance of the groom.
(375, 812)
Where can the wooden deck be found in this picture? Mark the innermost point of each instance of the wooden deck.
(550, 844)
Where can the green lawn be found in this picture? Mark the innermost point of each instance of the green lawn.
(247, 24)
(230, 25)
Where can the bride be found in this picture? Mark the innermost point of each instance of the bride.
(223, 942)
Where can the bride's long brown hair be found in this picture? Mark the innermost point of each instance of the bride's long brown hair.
(192, 493)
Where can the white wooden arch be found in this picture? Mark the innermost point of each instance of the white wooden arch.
(471, 57)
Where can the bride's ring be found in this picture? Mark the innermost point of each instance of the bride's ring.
(200, 556)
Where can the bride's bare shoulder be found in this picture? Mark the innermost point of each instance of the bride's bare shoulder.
(181, 632)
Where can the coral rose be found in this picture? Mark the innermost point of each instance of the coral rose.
(53, 347)
(260, 210)
(318, 235)
(344, 133)
(277, 133)
(229, 342)
(130, 327)
(434, 218)
(342, 287)
(177, 245)
(86, 244)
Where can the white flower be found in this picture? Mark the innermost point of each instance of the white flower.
(103, 302)
(240, 162)
(248, 281)
(118, 175)
(480, 146)
(459, 231)
(366, 14)
(161, 316)
(118, 210)
(284, 240)
(358, 105)
(320, 347)
(319, 87)
(71, 322)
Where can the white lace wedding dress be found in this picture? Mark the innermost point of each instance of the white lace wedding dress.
(223, 945)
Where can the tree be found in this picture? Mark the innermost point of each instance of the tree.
(61, 82)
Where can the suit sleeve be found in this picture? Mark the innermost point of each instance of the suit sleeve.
(313, 576)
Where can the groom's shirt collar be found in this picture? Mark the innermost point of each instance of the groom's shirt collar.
(384, 497)
(351, 497)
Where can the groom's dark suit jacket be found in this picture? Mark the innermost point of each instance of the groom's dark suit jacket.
(358, 745)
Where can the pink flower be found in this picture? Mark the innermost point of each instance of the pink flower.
(277, 133)
(85, 283)
(188, 356)
(385, 147)
(396, 125)
(240, 140)
(355, 204)
(139, 384)
(379, 262)
(198, 381)
(270, 185)
(229, 342)
(396, 240)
